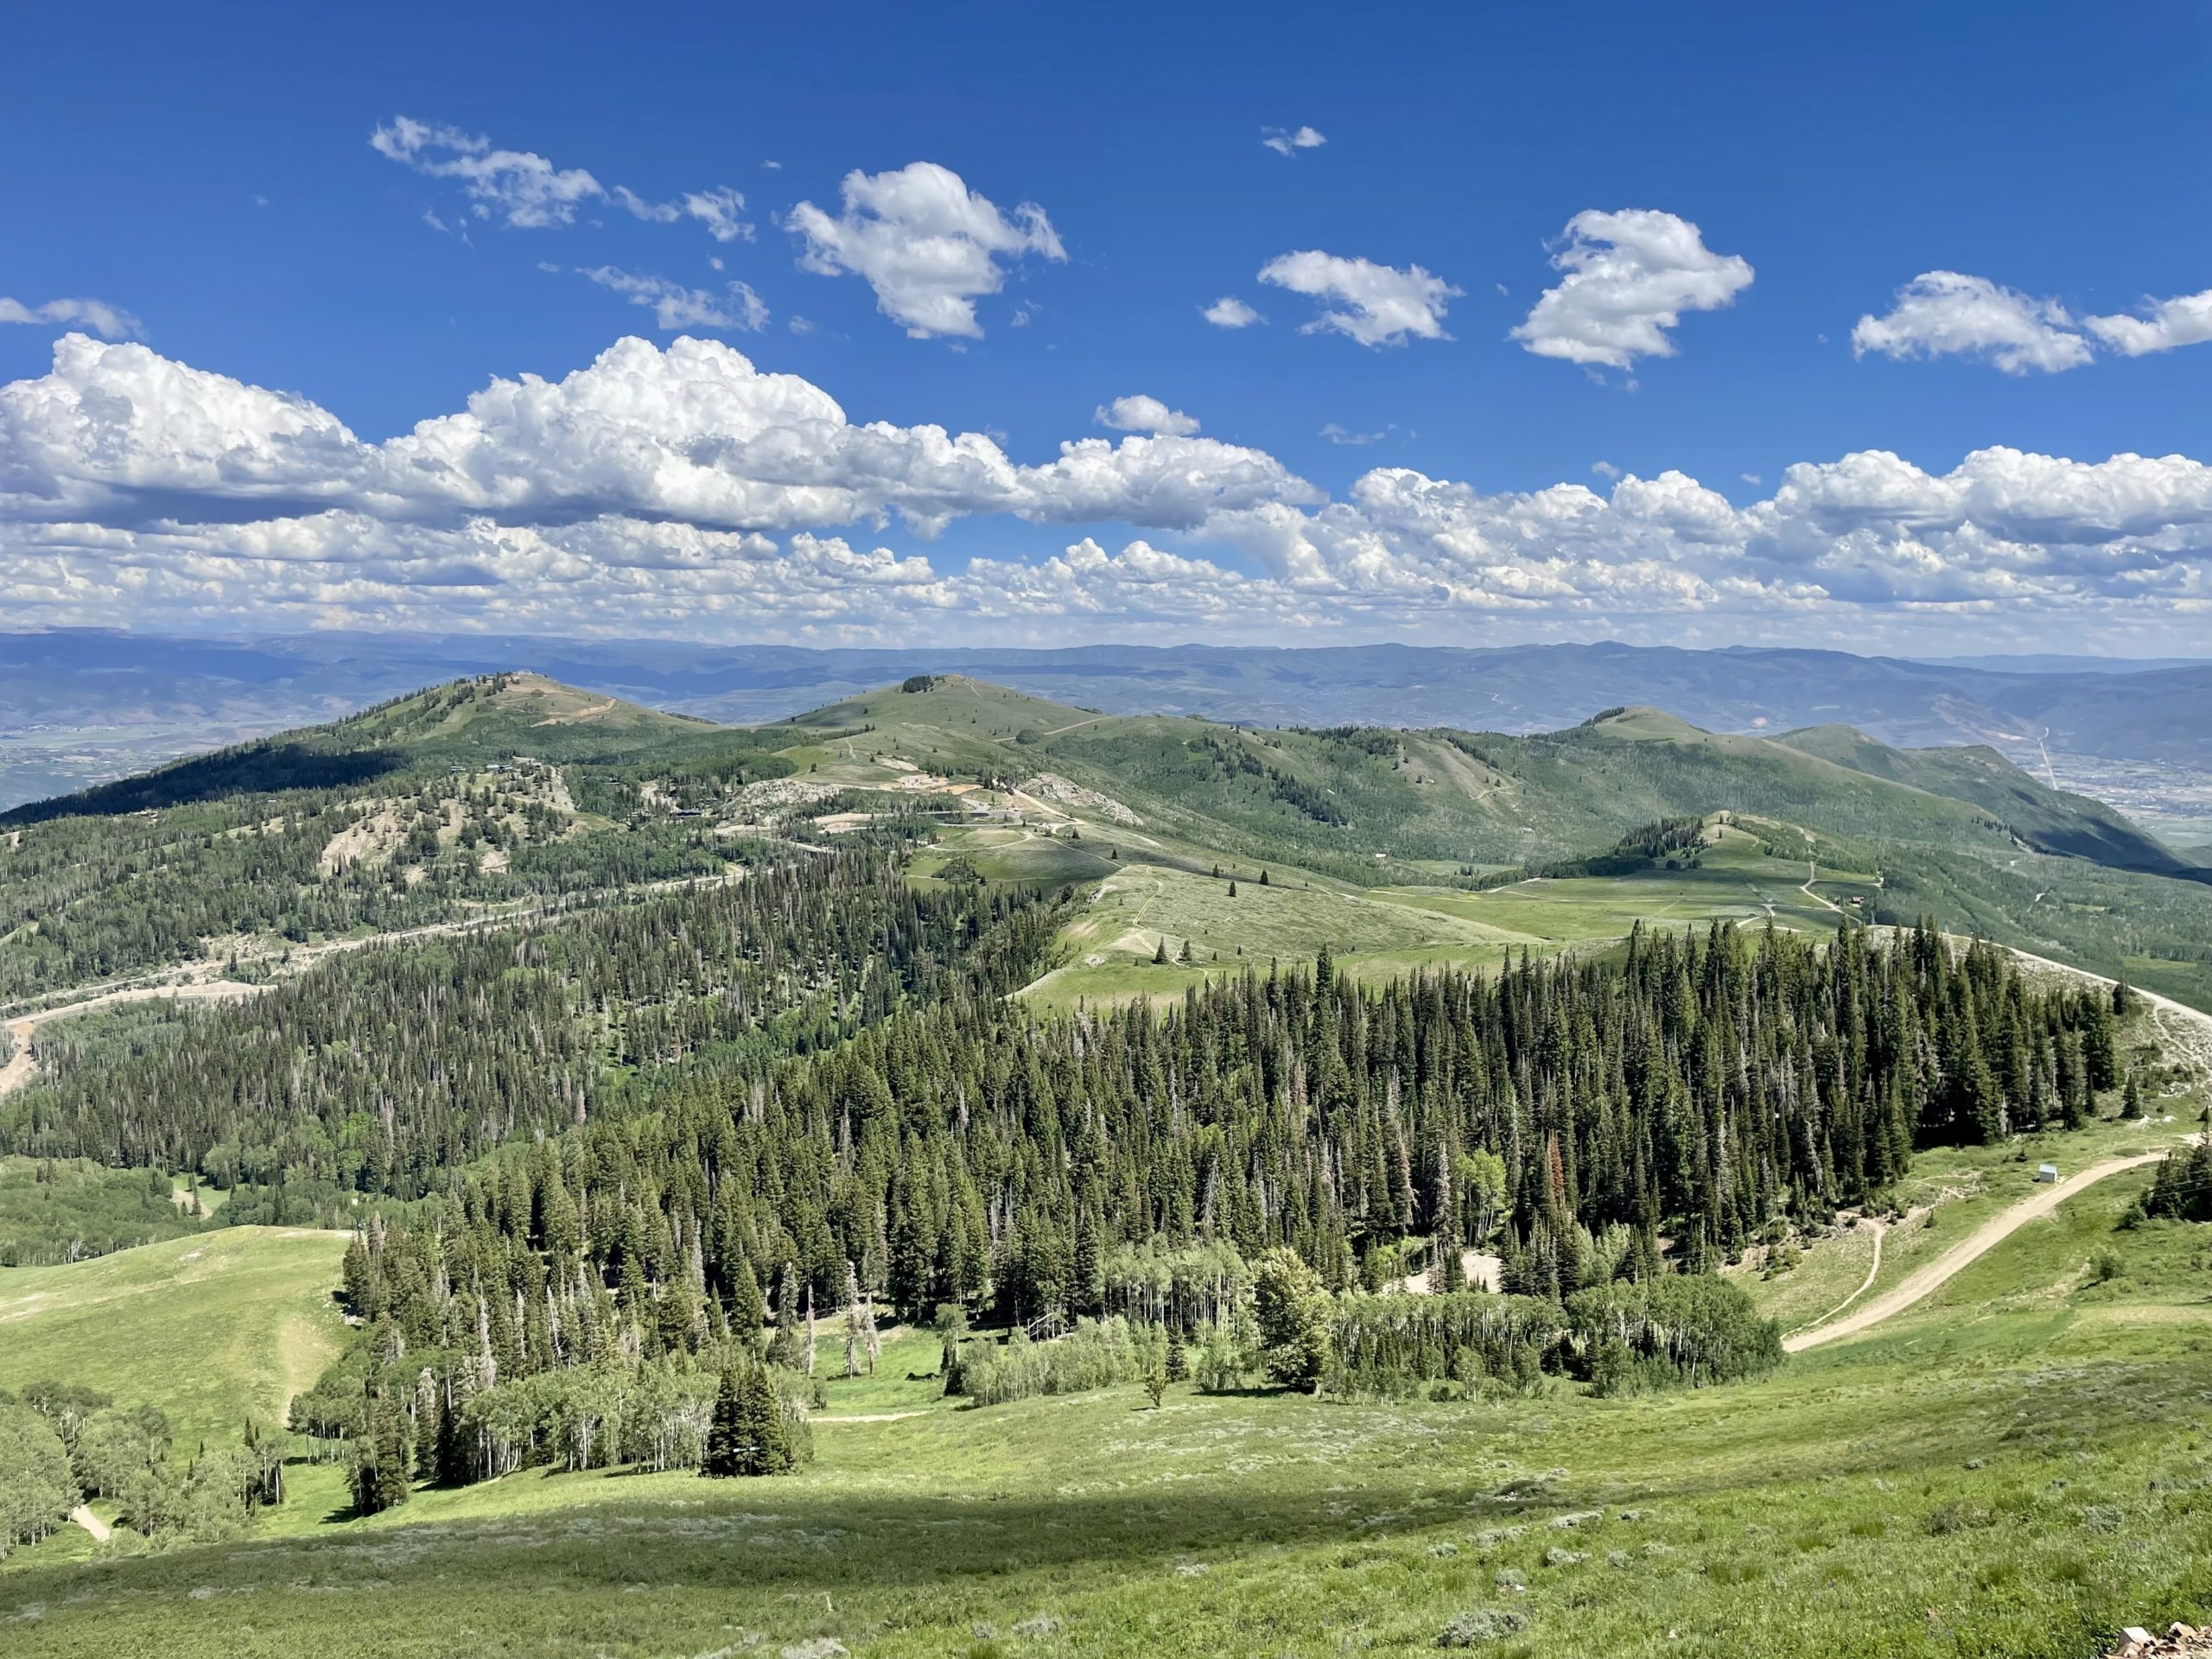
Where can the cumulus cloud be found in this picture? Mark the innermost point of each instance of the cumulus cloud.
(522, 190)
(1288, 141)
(1375, 305)
(1143, 414)
(111, 322)
(1947, 313)
(693, 432)
(675, 306)
(926, 244)
(2164, 325)
(1629, 276)
(1229, 312)
(685, 484)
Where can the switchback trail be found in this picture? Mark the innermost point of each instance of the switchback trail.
(1865, 1284)
(1925, 1280)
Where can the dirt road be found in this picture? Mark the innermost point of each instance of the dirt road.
(22, 1065)
(83, 1516)
(1962, 1255)
(2186, 1031)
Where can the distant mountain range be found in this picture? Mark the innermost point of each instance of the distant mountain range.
(81, 706)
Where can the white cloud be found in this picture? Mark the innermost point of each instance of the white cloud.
(2168, 324)
(717, 209)
(1946, 313)
(675, 306)
(1605, 469)
(694, 433)
(1629, 277)
(111, 322)
(1143, 414)
(1381, 305)
(522, 190)
(1338, 434)
(686, 484)
(926, 244)
(1229, 312)
(1288, 141)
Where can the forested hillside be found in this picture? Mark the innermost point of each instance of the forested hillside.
(506, 791)
(509, 793)
(388, 1071)
(962, 1155)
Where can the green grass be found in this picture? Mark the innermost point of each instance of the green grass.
(209, 1328)
(1291, 919)
(1379, 932)
(905, 1377)
(2017, 1467)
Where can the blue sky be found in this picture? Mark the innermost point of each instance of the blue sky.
(215, 187)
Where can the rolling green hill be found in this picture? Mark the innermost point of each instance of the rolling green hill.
(492, 795)
(2049, 820)
(469, 723)
(1482, 798)
(455, 804)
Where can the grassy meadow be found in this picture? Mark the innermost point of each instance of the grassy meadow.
(2019, 1465)
(1387, 930)
(210, 1327)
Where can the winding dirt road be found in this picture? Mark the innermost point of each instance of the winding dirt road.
(22, 1064)
(1925, 1280)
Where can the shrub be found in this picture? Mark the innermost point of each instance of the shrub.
(1482, 1624)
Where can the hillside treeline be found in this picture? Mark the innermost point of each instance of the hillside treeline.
(962, 1153)
(387, 1069)
(86, 899)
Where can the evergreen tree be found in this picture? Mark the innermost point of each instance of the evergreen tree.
(380, 1480)
(729, 1442)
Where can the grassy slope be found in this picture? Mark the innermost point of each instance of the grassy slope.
(1491, 798)
(2018, 1467)
(2052, 820)
(208, 1328)
(1380, 930)
(1946, 826)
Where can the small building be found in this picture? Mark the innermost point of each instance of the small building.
(2046, 1174)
